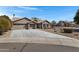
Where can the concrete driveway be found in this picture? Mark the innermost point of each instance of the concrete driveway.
(37, 40)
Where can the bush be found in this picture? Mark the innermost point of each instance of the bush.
(68, 30)
(9, 20)
(1, 29)
(5, 22)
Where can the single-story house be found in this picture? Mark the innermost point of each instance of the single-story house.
(26, 23)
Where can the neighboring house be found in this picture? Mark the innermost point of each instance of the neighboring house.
(72, 24)
(25, 23)
(43, 24)
(66, 24)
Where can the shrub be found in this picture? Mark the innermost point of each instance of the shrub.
(8, 19)
(5, 22)
(1, 29)
(68, 30)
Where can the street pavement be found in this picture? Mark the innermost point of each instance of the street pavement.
(38, 41)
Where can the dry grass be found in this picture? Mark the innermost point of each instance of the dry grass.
(57, 31)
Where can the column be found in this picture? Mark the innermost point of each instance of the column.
(28, 26)
(42, 26)
(35, 26)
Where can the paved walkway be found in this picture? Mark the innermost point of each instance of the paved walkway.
(38, 36)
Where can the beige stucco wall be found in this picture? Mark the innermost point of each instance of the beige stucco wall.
(18, 27)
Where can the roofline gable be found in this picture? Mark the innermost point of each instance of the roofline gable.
(22, 19)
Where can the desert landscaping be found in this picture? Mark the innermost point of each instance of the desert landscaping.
(39, 35)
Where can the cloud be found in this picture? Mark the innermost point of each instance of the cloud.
(28, 8)
(20, 11)
(24, 9)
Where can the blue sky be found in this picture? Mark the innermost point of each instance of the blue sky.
(45, 12)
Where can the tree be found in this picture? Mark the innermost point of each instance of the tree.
(53, 22)
(6, 17)
(60, 23)
(1, 29)
(35, 19)
(5, 22)
(76, 18)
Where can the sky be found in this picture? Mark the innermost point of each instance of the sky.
(49, 13)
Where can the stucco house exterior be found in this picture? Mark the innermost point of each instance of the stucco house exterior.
(26, 23)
